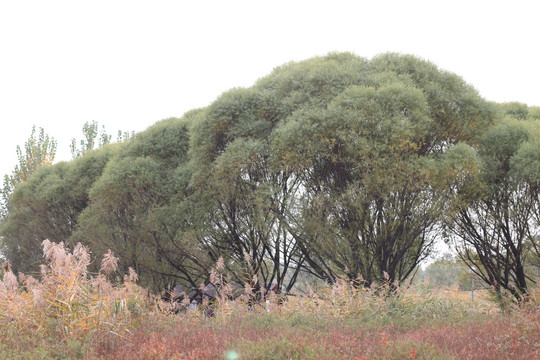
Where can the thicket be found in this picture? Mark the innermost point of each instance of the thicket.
(336, 167)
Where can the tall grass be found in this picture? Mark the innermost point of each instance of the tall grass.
(67, 304)
(70, 313)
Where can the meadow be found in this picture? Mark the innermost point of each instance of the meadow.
(70, 313)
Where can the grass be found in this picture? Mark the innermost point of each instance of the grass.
(72, 314)
(268, 336)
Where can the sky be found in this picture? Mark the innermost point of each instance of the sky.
(128, 64)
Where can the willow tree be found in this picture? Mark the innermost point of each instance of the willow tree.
(238, 188)
(130, 209)
(248, 193)
(372, 166)
(495, 225)
(47, 206)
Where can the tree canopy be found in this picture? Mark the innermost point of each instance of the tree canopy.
(336, 166)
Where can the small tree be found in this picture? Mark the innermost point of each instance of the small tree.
(91, 134)
(39, 150)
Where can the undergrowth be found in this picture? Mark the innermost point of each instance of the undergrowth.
(69, 313)
(52, 317)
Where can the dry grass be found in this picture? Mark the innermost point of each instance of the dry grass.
(68, 303)
(71, 314)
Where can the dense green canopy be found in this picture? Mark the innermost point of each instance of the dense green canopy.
(337, 166)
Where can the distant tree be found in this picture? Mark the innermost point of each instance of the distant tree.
(39, 150)
(91, 135)
(124, 135)
(448, 271)
(95, 138)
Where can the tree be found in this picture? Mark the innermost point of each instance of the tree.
(336, 166)
(242, 193)
(91, 135)
(47, 206)
(132, 208)
(525, 167)
(448, 271)
(39, 150)
(372, 161)
(493, 223)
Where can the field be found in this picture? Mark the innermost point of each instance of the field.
(70, 314)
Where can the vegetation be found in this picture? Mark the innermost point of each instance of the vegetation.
(337, 167)
(39, 150)
(67, 305)
(73, 313)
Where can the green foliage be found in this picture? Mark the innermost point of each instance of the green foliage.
(368, 158)
(534, 113)
(47, 206)
(514, 109)
(334, 167)
(39, 150)
(525, 164)
(137, 207)
(495, 224)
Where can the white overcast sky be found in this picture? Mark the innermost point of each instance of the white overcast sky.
(128, 64)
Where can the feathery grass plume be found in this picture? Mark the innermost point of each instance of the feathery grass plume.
(68, 303)
(82, 254)
(29, 282)
(10, 280)
(132, 276)
(185, 302)
(109, 263)
(43, 270)
(47, 249)
(213, 276)
(54, 252)
(220, 265)
(102, 285)
(226, 290)
(248, 289)
(39, 300)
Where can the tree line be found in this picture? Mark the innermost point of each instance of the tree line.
(335, 167)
